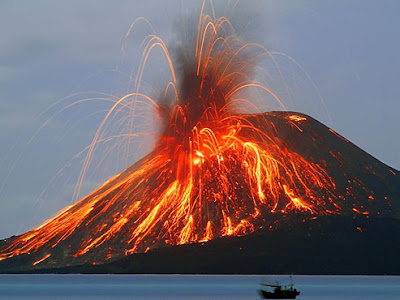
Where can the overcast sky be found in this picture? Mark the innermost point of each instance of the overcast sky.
(53, 49)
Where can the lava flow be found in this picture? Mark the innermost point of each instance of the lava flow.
(213, 173)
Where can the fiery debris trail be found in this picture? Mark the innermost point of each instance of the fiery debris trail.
(213, 173)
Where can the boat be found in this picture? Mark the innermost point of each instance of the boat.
(278, 292)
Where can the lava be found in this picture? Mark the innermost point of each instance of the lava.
(213, 173)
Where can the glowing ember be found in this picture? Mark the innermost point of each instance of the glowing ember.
(213, 173)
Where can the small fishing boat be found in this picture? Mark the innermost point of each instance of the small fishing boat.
(278, 291)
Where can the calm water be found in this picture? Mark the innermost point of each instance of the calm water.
(191, 287)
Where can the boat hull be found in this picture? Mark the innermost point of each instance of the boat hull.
(279, 295)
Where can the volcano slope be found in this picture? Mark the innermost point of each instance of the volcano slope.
(344, 221)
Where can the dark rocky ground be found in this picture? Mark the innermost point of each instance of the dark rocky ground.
(326, 245)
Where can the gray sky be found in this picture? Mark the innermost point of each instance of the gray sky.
(53, 49)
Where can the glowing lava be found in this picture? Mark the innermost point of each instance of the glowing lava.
(213, 173)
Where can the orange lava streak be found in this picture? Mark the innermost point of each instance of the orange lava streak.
(41, 260)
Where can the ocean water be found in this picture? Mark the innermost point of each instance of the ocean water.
(192, 286)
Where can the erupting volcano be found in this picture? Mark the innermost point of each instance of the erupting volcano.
(214, 172)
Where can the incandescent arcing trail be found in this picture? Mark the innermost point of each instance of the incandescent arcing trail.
(213, 172)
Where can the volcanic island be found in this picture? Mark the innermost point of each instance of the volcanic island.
(225, 192)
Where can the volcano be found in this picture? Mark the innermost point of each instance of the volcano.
(216, 172)
(101, 226)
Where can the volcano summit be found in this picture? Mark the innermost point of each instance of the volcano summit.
(215, 172)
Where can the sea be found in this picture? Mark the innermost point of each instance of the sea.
(192, 287)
